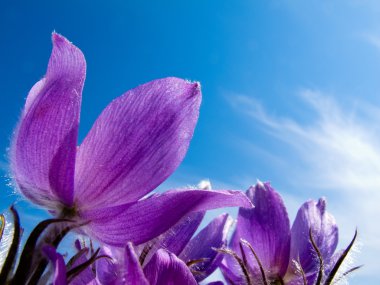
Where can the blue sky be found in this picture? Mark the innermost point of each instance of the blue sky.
(291, 91)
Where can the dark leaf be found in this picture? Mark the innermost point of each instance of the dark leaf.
(44, 262)
(337, 265)
(78, 255)
(74, 272)
(24, 266)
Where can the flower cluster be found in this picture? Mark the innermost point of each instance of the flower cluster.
(265, 250)
(100, 190)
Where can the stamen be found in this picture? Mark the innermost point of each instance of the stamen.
(240, 262)
(333, 272)
(320, 258)
(246, 243)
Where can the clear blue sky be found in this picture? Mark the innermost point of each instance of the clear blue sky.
(291, 90)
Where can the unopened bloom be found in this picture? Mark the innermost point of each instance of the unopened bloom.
(135, 144)
(265, 250)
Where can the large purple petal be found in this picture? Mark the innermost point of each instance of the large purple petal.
(266, 227)
(44, 145)
(146, 219)
(58, 263)
(166, 268)
(136, 143)
(313, 215)
(202, 246)
(133, 272)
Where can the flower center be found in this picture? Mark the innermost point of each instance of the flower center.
(68, 213)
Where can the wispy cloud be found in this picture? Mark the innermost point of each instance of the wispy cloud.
(372, 38)
(339, 150)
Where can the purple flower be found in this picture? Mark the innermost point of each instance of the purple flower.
(135, 144)
(176, 247)
(265, 250)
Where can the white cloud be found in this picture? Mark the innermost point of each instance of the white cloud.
(338, 153)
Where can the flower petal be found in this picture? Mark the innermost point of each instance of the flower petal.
(110, 271)
(214, 235)
(166, 268)
(44, 145)
(266, 228)
(133, 271)
(313, 215)
(58, 263)
(136, 143)
(143, 220)
(232, 273)
(176, 238)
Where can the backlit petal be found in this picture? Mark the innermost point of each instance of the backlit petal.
(203, 245)
(313, 215)
(133, 271)
(232, 273)
(136, 143)
(266, 228)
(176, 238)
(110, 270)
(44, 145)
(146, 219)
(166, 268)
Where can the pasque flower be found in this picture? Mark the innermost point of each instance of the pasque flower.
(135, 144)
(265, 250)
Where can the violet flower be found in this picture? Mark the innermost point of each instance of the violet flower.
(176, 247)
(135, 144)
(265, 250)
